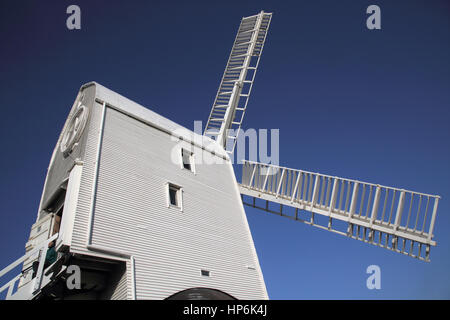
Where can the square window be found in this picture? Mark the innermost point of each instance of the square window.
(174, 196)
(205, 273)
(187, 160)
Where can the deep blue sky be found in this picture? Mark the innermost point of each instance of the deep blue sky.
(350, 102)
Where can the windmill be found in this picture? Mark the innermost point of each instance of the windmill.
(128, 206)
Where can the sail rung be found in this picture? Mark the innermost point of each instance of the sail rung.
(243, 32)
(234, 81)
(241, 55)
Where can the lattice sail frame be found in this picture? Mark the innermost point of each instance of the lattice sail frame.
(231, 101)
(392, 218)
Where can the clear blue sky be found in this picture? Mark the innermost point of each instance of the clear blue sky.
(350, 102)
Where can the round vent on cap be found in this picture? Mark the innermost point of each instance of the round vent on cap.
(74, 129)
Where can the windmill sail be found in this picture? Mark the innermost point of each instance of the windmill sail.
(392, 218)
(235, 87)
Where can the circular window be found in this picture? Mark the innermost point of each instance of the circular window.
(74, 129)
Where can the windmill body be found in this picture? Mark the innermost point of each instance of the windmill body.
(147, 209)
(119, 209)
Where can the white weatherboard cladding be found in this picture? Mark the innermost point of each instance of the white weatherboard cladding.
(80, 229)
(118, 286)
(139, 112)
(70, 206)
(171, 246)
(60, 165)
(121, 290)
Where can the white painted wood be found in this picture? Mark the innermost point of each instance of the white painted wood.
(231, 101)
(370, 223)
(130, 214)
(70, 206)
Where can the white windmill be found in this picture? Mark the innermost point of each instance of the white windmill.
(128, 203)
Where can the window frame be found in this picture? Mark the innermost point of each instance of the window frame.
(191, 160)
(205, 273)
(179, 196)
